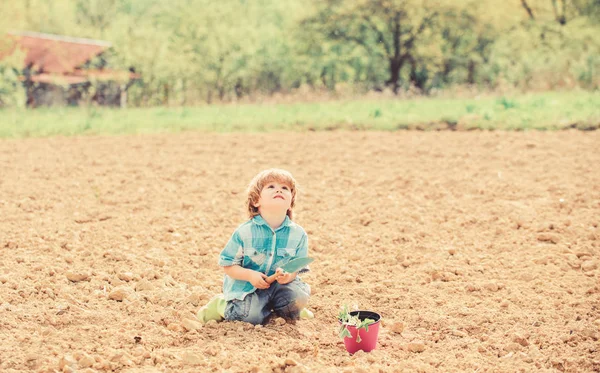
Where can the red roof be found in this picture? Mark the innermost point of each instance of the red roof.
(57, 54)
(58, 59)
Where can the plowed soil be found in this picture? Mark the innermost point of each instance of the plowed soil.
(481, 251)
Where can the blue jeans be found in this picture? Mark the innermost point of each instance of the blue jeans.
(283, 300)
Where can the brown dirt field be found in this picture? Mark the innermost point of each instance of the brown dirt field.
(485, 245)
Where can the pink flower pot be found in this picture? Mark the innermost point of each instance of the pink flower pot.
(368, 339)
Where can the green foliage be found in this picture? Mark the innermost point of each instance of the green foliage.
(548, 56)
(194, 51)
(346, 319)
(12, 93)
(507, 103)
(394, 34)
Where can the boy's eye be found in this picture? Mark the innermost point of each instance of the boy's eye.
(271, 186)
(286, 188)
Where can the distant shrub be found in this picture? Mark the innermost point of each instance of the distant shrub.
(507, 103)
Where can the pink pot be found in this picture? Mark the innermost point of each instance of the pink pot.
(368, 338)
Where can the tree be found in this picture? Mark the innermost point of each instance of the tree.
(560, 11)
(392, 29)
(188, 51)
(465, 42)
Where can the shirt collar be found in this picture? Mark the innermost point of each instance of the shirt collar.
(259, 220)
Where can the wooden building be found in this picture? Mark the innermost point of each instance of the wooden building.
(62, 70)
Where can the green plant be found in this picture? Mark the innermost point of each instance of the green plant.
(507, 103)
(346, 319)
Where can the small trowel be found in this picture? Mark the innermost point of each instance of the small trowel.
(292, 266)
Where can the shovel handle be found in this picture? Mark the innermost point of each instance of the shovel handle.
(271, 279)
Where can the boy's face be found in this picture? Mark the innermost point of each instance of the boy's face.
(275, 197)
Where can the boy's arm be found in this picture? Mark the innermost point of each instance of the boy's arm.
(238, 273)
(257, 279)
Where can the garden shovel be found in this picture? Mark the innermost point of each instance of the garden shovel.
(292, 266)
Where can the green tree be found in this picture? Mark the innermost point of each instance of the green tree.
(391, 29)
(189, 51)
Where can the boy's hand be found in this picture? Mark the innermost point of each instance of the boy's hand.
(257, 279)
(285, 278)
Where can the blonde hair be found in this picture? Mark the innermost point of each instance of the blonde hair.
(261, 180)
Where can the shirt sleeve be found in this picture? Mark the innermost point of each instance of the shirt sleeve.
(303, 252)
(233, 253)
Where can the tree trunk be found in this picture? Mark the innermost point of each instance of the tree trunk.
(396, 62)
(560, 18)
(30, 102)
(471, 76)
(183, 92)
(238, 88)
(527, 9)
(323, 76)
(414, 79)
(28, 85)
(166, 95)
(447, 70)
(332, 82)
(221, 90)
(395, 66)
(418, 80)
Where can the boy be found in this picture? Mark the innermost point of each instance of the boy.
(259, 247)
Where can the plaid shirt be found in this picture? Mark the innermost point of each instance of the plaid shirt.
(255, 245)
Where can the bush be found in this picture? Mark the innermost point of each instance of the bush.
(12, 92)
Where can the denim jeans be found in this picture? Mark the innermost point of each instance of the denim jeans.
(282, 300)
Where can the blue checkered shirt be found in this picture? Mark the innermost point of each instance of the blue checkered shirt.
(255, 245)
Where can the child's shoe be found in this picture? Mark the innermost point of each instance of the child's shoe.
(305, 313)
(213, 310)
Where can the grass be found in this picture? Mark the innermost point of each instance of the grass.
(540, 111)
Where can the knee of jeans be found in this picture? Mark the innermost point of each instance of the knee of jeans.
(301, 300)
(236, 310)
(254, 318)
(298, 301)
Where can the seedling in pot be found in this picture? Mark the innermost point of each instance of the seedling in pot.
(352, 320)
